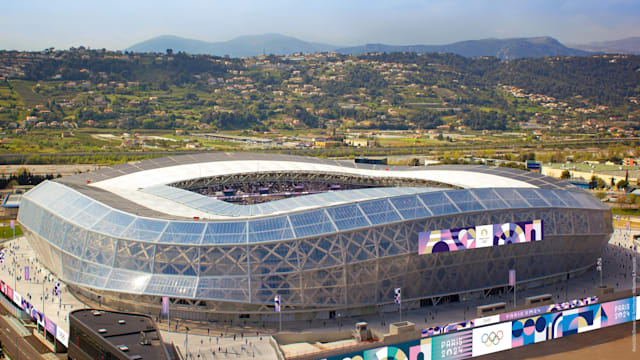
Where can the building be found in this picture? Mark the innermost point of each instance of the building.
(97, 334)
(359, 142)
(324, 144)
(630, 162)
(133, 233)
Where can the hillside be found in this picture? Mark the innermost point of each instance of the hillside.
(387, 91)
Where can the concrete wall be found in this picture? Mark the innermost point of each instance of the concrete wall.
(556, 173)
(312, 337)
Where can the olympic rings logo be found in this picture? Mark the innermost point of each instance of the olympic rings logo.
(492, 338)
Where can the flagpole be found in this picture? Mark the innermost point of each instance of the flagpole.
(15, 255)
(397, 298)
(514, 294)
(278, 308)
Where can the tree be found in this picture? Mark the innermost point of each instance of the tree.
(565, 175)
(596, 183)
(622, 184)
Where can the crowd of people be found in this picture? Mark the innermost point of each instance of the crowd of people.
(263, 191)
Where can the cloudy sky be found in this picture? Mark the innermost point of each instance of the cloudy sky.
(117, 24)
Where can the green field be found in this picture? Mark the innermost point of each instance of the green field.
(25, 91)
(619, 211)
(7, 233)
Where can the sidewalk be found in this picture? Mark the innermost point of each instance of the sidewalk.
(56, 308)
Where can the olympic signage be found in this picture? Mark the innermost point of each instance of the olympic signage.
(488, 320)
(481, 236)
(490, 339)
(36, 315)
(564, 320)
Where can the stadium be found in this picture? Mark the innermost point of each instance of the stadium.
(221, 234)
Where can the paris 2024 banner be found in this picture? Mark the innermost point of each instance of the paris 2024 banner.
(506, 335)
(480, 236)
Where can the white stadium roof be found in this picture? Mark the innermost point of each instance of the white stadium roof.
(148, 188)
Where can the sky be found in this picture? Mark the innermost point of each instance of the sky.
(118, 24)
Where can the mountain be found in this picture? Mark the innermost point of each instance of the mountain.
(252, 45)
(506, 49)
(624, 46)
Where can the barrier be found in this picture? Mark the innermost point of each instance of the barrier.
(539, 300)
(560, 320)
(491, 309)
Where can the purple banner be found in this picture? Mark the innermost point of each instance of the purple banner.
(479, 236)
(50, 326)
(165, 304)
(544, 309)
(548, 308)
(570, 321)
(39, 316)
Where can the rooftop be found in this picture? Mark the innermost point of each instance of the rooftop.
(124, 331)
(142, 187)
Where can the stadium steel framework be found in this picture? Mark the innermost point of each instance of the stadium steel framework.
(130, 234)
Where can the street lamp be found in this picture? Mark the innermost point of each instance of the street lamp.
(186, 340)
(464, 303)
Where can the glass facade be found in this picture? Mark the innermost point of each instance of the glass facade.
(336, 255)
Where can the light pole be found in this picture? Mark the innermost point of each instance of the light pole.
(186, 340)
(464, 303)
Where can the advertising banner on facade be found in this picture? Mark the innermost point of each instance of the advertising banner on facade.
(17, 299)
(565, 319)
(50, 326)
(62, 336)
(436, 241)
(165, 304)
(457, 345)
(490, 339)
(39, 316)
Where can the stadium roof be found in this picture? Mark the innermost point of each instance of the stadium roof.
(142, 187)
